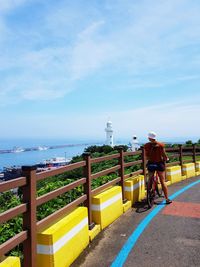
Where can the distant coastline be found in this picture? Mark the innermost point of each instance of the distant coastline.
(5, 151)
(16, 153)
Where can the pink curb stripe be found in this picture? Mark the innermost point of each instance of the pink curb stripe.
(183, 209)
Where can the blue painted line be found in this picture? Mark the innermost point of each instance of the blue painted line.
(128, 246)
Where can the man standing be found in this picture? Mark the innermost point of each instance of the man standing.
(156, 156)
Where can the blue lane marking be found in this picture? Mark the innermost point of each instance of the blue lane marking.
(128, 246)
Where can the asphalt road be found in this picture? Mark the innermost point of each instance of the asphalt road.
(171, 239)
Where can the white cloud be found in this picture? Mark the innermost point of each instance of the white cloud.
(169, 121)
(89, 56)
(76, 43)
(6, 5)
(188, 77)
(91, 30)
(39, 92)
(42, 75)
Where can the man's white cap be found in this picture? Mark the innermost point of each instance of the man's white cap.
(152, 135)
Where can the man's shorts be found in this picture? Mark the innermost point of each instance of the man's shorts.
(156, 166)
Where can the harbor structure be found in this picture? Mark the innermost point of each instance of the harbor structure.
(135, 143)
(109, 134)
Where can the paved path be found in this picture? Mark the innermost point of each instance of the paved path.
(171, 239)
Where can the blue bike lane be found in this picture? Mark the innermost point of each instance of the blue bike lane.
(167, 235)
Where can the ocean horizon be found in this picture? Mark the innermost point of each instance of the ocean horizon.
(38, 156)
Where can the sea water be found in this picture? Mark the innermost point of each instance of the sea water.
(38, 156)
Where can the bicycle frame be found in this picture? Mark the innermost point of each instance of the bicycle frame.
(152, 189)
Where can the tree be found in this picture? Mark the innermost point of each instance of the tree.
(124, 147)
(188, 143)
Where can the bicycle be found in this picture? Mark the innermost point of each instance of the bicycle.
(152, 189)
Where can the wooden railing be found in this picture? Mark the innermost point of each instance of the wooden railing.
(28, 185)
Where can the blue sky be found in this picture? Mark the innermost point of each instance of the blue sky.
(66, 67)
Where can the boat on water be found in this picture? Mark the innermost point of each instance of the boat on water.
(42, 148)
(10, 173)
(57, 161)
(17, 149)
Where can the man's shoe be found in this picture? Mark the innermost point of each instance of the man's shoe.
(168, 201)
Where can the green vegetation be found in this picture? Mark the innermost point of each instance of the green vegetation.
(14, 226)
(9, 199)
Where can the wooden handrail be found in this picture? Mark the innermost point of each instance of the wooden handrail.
(132, 174)
(187, 147)
(11, 213)
(132, 163)
(131, 153)
(49, 173)
(172, 149)
(13, 242)
(173, 156)
(59, 213)
(8, 185)
(186, 161)
(185, 154)
(104, 172)
(55, 193)
(105, 186)
(172, 163)
(104, 158)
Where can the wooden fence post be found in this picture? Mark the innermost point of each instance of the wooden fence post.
(194, 154)
(88, 188)
(29, 218)
(144, 163)
(121, 171)
(181, 157)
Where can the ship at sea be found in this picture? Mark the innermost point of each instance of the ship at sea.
(55, 162)
(13, 172)
(42, 148)
(17, 149)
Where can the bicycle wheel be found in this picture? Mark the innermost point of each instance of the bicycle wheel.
(150, 194)
(158, 190)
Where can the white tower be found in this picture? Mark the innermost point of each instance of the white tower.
(134, 144)
(109, 134)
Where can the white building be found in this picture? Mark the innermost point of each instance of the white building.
(134, 143)
(109, 134)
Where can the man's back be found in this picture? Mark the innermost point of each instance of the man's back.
(154, 151)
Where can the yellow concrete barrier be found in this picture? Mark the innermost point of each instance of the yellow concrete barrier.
(135, 188)
(168, 183)
(107, 206)
(173, 174)
(189, 170)
(61, 243)
(183, 177)
(10, 262)
(127, 206)
(94, 232)
(197, 166)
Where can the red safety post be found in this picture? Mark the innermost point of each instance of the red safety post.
(181, 157)
(194, 154)
(121, 172)
(29, 218)
(88, 188)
